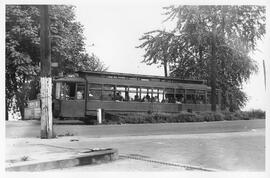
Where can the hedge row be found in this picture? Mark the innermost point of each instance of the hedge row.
(137, 118)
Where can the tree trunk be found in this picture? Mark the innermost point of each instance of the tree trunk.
(165, 68)
(20, 97)
(21, 108)
(231, 103)
(223, 99)
(213, 71)
(223, 88)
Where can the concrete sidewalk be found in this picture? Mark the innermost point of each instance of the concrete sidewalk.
(34, 154)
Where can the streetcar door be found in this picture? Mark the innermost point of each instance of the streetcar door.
(70, 99)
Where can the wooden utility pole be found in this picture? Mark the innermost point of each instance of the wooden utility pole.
(45, 76)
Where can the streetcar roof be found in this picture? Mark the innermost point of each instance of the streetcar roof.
(103, 78)
(92, 73)
(70, 79)
(147, 84)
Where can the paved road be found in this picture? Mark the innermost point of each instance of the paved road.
(223, 145)
(22, 129)
(237, 151)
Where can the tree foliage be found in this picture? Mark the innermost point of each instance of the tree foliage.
(189, 47)
(159, 48)
(23, 49)
(90, 63)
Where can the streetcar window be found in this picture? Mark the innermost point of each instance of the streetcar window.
(169, 95)
(200, 97)
(190, 97)
(155, 95)
(94, 91)
(108, 92)
(68, 90)
(72, 87)
(146, 94)
(179, 95)
(80, 93)
(120, 93)
(134, 93)
(160, 95)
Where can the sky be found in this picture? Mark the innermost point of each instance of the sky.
(113, 30)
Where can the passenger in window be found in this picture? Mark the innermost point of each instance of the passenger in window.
(126, 96)
(178, 101)
(62, 96)
(118, 96)
(147, 97)
(166, 100)
(90, 95)
(144, 99)
(136, 98)
(154, 99)
(157, 99)
(79, 95)
(201, 100)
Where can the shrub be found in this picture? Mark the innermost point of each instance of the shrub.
(137, 118)
(186, 117)
(256, 114)
(209, 116)
(229, 116)
(242, 115)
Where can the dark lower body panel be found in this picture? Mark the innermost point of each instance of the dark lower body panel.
(113, 106)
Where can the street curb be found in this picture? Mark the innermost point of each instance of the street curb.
(95, 157)
(186, 166)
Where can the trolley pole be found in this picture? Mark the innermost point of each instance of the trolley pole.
(45, 76)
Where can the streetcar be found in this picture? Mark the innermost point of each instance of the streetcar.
(80, 96)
